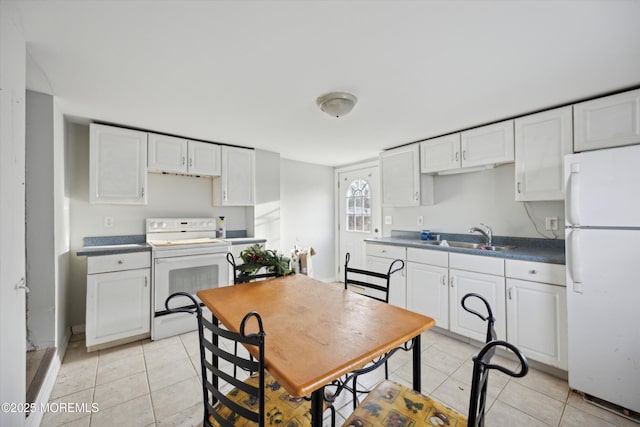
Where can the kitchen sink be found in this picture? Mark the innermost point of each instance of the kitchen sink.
(466, 245)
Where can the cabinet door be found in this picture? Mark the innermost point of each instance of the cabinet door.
(492, 144)
(400, 174)
(118, 165)
(428, 293)
(167, 154)
(118, 305)
(204, 159)
(236, 185)
(541, 142)
(490, 287)
(611, 121)
(397, 293)
(537, 321)
(440, 154)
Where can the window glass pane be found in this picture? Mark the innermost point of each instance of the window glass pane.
(367, 223)
(350, 222)
(358, 206)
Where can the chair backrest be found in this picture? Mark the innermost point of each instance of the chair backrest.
(242, 275)
(214, 376)
(481, 367)
(370, 279)
(491, 332)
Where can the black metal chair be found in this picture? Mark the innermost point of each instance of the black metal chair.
(390, 399)
(242, 275)
(245, 403)
(380, 284)
(491, 332)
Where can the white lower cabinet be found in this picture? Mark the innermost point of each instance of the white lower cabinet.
(427, 284)
(491, 288)
(537, 311)
(118, 299)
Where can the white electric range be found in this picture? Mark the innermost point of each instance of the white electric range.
(186, 256)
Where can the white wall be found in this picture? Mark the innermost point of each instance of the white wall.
(12, 214)
(307, 213)
(168, 196)
(61, 224)
(465, 200)
(267, 208)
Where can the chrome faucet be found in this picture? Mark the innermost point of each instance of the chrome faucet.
(488, 235)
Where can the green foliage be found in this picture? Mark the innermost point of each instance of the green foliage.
(257, 257)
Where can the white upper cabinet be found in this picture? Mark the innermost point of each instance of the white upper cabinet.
(541, 142)
(440, 154)
(117, 165)
(400, 175)
(611, 121)
(486, 145)
(167, 154)
(458, 152)
(235, 186)
(204, 159)
(179, 155)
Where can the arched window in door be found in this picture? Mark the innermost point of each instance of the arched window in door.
(359, 206)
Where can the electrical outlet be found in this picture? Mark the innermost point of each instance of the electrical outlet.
(388, 220)
(108, 221)
(420, 221)
(551, 222)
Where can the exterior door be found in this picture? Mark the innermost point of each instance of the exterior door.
(358, 214)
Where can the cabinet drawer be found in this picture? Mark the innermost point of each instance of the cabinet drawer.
(427, 256)
(535, 271)
(118, 262)
(387, 251)
(480, 264)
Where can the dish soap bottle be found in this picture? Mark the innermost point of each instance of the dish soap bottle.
(220, 228)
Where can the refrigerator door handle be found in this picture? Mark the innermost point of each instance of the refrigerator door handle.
(573, 196)
(573, 260)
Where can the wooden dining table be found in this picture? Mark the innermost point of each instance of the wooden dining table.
(317, 332)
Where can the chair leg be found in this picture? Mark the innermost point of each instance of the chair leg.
(355, 392)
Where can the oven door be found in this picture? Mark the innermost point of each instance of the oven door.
(189, 273)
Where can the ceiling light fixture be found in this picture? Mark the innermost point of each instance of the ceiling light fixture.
(337, 104)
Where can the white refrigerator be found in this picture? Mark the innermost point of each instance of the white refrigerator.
(603, 273)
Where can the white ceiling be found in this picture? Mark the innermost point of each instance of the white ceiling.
(249, 72)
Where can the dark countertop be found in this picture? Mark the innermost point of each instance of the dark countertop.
(112, 245)
(526, 249)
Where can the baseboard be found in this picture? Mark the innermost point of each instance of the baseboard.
(77, 329)
(35, 418)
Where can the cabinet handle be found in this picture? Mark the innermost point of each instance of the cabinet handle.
(190, 162)
(120, 262)
(146, 281)
(464, 154)
(452, 282)
(518, 187)
(510, 293)
(457, 155)
(444, 281)
(184, 160)
(533, 272)
(417, 195)
(224, 195)
(142, 191)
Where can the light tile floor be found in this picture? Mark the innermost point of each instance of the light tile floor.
(156, 383)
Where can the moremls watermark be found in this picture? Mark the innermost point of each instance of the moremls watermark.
(55, 407)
